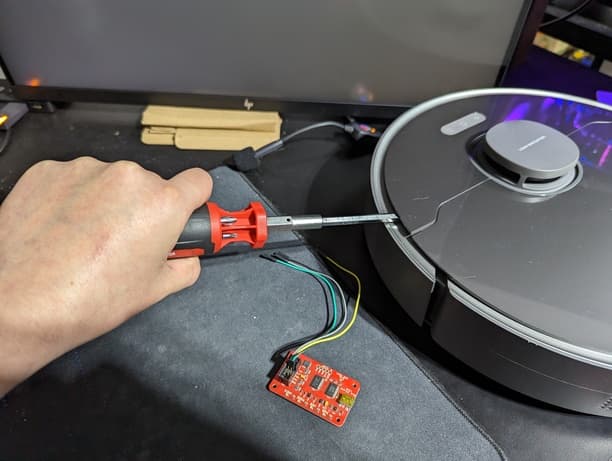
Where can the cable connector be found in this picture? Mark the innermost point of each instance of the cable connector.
(244, 160)
(359, 130)
(11, 113)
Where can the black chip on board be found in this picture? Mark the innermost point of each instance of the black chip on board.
(306, 364)
(331, 390)
(316, 382)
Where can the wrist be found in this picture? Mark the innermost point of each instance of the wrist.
(23, 350)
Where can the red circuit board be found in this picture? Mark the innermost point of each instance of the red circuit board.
(316, 388)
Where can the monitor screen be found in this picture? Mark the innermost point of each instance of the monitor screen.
(378, 52)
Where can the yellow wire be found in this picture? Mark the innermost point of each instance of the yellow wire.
(301, 349)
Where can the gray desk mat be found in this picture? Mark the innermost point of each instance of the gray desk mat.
(187, 379)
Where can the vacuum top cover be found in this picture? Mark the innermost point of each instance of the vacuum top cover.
(508, 195)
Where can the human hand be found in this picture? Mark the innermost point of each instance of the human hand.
(83, 247)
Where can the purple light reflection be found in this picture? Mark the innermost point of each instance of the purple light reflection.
(604, 156)
(519, 112)
(576, 121)
(547, 102)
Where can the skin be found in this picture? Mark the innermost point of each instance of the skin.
(83, 247)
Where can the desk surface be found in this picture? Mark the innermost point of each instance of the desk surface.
(325, 173)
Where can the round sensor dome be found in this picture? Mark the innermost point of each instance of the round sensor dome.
(531, 150)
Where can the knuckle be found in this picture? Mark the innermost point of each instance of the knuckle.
(170, 194)
(40, 168)
(86, 160)
(45, 165)
(127, 166)
(125, 169)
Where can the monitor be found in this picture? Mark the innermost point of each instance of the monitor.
(258, 54)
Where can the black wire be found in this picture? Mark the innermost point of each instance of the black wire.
(5, 141)
(568, 15)
(278, 256)
(294, 344)
(316, 126)
(276, 145)
(283, 257)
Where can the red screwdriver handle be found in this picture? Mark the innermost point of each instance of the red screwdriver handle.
(210, 228)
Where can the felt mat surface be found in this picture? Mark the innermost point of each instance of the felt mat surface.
(186, 380)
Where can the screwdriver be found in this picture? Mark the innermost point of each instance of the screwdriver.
(211, 228)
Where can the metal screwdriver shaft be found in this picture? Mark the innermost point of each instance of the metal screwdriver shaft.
(307, 222)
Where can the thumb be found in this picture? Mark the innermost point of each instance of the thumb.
(176, 275)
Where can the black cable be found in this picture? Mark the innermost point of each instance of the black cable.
(276, 145)
(5, 141)
(249, 159)
(293, 345)
(316, 126)
(321, 277)
(568, 15)
(283, 257)
(337, 327)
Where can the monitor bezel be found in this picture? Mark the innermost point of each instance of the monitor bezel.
(528, 16)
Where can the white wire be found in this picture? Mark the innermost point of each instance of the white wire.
(595, 122)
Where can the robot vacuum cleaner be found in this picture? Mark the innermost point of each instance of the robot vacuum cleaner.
(503, 249)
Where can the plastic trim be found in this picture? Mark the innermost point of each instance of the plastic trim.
(596, 358)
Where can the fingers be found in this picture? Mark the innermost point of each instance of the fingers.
(176, 275)
(195, 186)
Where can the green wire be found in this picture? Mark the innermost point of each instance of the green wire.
(323, 279)
(335, 335)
